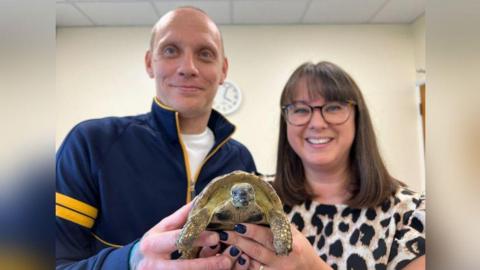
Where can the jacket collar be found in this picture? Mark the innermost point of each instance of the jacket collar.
(166, 120)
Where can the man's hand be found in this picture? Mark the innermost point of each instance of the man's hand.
(154, 249)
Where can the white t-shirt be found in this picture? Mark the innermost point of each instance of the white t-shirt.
(198, 146)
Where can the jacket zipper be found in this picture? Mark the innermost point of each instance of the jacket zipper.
(191, 193)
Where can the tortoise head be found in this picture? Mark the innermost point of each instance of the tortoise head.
(242, 194)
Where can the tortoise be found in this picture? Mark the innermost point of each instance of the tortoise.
(237, 197)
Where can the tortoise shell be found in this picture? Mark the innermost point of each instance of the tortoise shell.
(237, 197)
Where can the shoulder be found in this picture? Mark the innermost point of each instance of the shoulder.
(408, 211)
(238, 148)
(108, 125)
(407, 199)
(244, 155)
(236, 144)
(409, 215)
(105, 128)
(406, 206)
(97, 133)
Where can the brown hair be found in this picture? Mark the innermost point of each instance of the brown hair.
(371, 183)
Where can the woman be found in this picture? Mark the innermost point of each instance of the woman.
(349, 212)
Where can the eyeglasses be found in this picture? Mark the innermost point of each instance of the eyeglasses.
(300, 113)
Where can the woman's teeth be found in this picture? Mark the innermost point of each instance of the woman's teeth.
(319, 140)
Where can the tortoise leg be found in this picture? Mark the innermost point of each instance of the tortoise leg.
(190, 253)
(282, 235)
(195, 225)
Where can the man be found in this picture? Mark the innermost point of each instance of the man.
(118, 177)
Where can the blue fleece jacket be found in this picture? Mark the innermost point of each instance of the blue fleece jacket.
(117, 177)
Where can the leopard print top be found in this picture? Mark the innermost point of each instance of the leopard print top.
(386, 237)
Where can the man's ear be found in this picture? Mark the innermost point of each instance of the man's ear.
(148, 64)
(224, 70)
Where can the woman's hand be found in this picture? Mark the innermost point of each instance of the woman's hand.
(257, 243)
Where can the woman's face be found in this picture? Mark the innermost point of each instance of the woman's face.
(318, 144)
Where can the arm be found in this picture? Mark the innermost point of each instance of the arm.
(417, 264)
(76, 209)
(409, 240)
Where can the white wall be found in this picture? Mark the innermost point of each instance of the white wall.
(419, 31)
(418, 28)
(100, 72)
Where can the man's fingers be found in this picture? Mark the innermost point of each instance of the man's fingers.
(165, 242)
(220, 262)
(159, 243)
(175, 220)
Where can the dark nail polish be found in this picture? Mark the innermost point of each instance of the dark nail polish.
(234, 251)
(241, 260)
(223, 235)
(240, 228)
(214, 247)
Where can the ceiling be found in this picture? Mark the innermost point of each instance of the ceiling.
(72, 13)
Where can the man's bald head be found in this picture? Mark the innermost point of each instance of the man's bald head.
(187, 62)
(183, 11)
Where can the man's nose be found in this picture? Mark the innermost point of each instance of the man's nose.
(187, 66)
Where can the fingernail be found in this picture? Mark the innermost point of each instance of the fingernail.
(234, 251)
(223, 235)
(240, 228)
(214, 247)
(241, 260)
